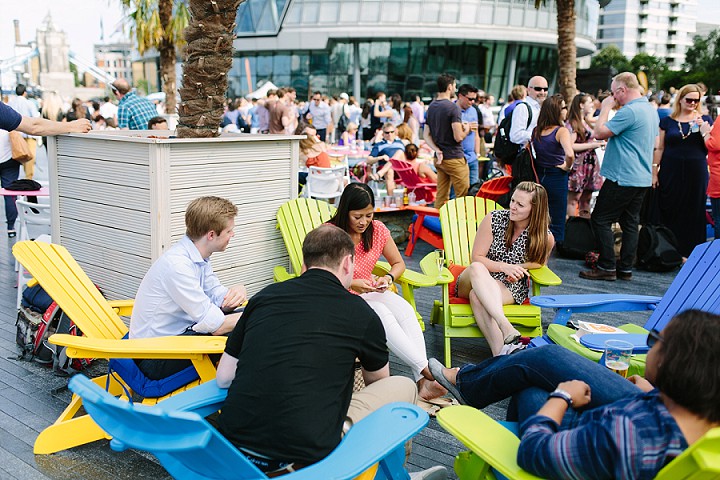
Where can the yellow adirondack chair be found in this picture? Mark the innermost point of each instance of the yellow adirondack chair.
(493, 447)
(64, 280)
(460, 219)
(298, 217)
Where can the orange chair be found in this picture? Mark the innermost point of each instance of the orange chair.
(495, 188)
(422, 230)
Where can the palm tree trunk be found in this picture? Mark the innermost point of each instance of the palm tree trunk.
(567, 52)
(208, 59)
(167, 55)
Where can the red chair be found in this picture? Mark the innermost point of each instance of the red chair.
(495, 188)
(412, 181)
(425, 227)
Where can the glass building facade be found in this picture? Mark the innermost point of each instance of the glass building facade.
(408, 67)
(399, 46)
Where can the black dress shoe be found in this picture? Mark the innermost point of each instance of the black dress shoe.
(598, 274)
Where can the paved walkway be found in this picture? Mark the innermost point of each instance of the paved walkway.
(31, 397)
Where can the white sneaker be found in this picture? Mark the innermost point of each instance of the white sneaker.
(437, 472)
(512, 348)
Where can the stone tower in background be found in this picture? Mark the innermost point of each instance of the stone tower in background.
(53, 51)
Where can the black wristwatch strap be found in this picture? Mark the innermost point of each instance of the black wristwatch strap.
(559, 393)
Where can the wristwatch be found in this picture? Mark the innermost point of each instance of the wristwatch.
(564, 394)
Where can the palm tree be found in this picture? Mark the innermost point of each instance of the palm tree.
(207, 61)
(567, 51)
(159, 24)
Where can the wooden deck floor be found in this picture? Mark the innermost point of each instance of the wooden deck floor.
(31, 397)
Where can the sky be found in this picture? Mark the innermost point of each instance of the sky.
(80, 19)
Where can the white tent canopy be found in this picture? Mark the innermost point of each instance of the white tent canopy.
(262, 91)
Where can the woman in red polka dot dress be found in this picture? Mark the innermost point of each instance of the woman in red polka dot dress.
(372, 239)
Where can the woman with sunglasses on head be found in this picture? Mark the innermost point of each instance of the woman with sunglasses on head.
(680, 169)
(372, 238)
(580, 420)
(554, 156)
(508, 243)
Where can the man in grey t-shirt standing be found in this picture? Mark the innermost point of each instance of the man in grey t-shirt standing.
(444, 132)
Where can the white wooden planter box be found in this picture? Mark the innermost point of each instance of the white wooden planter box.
(118, 201)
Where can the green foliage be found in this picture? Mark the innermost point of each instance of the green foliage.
(704, 55)
(702, 64)
(77, 78)
(142, 86)
(611, 57)
(653, 67)
(145, 27)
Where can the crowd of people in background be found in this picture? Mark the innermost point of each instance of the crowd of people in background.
(568, 153)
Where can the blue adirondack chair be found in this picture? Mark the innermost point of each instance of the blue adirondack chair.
(189, 448)
(695, 286)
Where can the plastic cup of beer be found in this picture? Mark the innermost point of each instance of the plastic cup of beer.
(440, 260)
(617, 356)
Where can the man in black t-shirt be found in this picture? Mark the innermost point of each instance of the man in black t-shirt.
(290, 361)
(444, 132)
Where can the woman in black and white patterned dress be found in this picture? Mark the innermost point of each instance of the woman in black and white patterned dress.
(507, 244)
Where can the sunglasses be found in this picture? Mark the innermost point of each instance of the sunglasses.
(540, 89)
(691, 101)
(653, 337)
(388, 132)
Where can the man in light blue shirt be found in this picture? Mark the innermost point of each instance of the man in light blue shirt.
(180, 294)
(320, 115)
(467, 96)
(627, 168)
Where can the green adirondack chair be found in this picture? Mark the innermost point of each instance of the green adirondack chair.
(460, 219)
(299, 216)
(493, 448)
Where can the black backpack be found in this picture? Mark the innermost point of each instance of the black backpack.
(504, 149)
(579, 239)
(657, 249)
(342, 122)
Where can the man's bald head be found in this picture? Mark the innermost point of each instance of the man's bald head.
(121, 86)
(538, 89)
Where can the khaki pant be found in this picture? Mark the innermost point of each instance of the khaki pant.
(455, 172)
(29, 166)
(377, 394)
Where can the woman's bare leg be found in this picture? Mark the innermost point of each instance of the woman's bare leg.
(488, 326)
(491, 294)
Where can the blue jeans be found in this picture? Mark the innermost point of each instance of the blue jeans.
(474, 172)
(555, 182)
(617, 204)
(9, 172)
(715, 205)
(530, 375)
